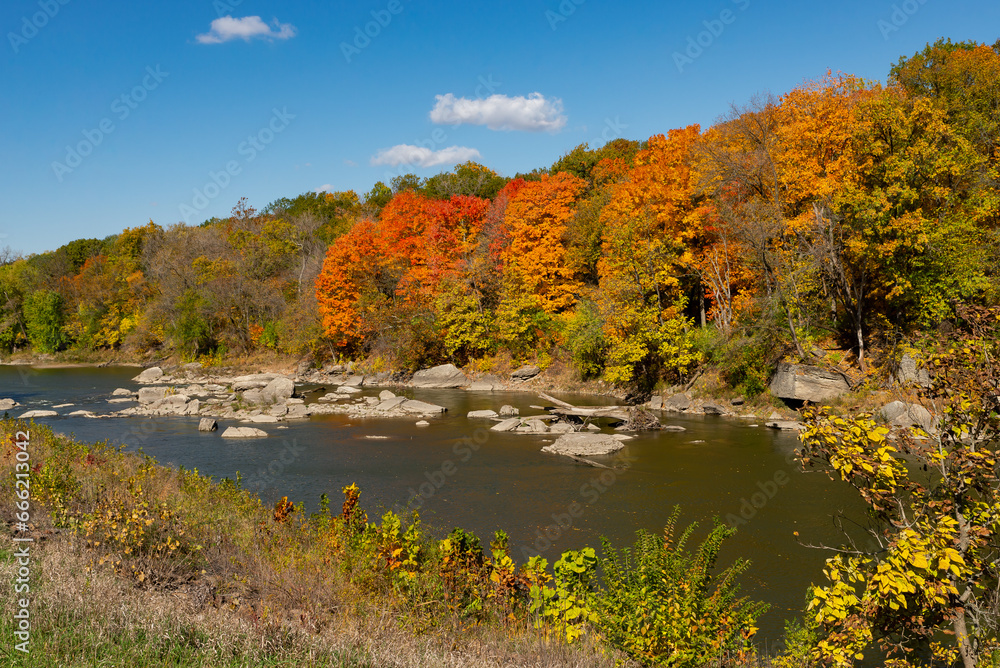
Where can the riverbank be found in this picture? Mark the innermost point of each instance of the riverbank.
(136, 564)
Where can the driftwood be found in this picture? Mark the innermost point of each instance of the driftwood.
(636, 418)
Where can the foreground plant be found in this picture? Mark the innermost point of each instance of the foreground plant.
(927, 567)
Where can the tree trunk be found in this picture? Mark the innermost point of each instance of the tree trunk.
(962, 638)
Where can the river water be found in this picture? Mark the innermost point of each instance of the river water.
(461, 474)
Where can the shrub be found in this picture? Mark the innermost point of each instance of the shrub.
(662, 605)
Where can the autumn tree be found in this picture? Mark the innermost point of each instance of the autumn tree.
(926, 563)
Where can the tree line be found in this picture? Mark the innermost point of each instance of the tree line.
(845, 212)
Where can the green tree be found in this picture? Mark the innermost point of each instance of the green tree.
(43, 318)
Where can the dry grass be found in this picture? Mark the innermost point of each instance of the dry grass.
(240, 590)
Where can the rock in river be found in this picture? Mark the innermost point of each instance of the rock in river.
(37, 414)
(807, 383)
(584, 445)
(243, 432)
(446, 375)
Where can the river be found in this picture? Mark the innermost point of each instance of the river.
(468, 476)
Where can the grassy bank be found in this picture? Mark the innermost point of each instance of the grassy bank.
(137, 564)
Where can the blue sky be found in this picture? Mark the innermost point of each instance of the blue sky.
(116, 113)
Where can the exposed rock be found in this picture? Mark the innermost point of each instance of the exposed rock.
(37, 414)
(256, 381)
(243, 432)
(390, 404)
(901, 414)
(354, 381)
(710, 408)
(208, 424)
(807, 383)
(443, 376)
(510, 424)
(526, 372)
(672, 427)
(193, 407)
(420, 407)
(786, 425)
(584, 445)
(536, 426)
(738, 401)
(482, 415)
(677, 403)
(910, 373)
(263, 419)
(423, 423)
(148, 395)
(480, 386)
(386, 394)
(297, 412)
(592, 427)
(348, 389)
(121, 400)
(656, 402)
(775, 415)
(7, 404)
(253, 396)
(86, 414)
(508, 411)
(150, 375)
(622, 437)
(278, 390)
(122, 392)
(562, 428)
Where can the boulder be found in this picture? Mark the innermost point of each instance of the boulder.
(423, 423)
(487, 415)
(508, 411)
(150, 375)
(672, 427)
(263, 419)
(7, 404)
(807, 383)
(509, 424)
(256, 381)
(562, 428)
(584, 445)
(737, 401)
(420, 407)
(677, 403)
(710, 408)
(243, 432)
(901, 414)
(193, 407)
(910, 373)
(386, 394)
(656, 402)
(354, 381)
(37, 414)
(536, 426)
(526, 372)
(389, 404)
(347, 389)
(253, 396)
(86, 414)
(122, 392)
(278, 410)
(148, 395)
(445, 375)
(297, 411)
(208, 424)
(480, 386)
(277, 391)
(786, 425)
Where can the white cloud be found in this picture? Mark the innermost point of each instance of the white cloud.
(499, 112)
(323, 188)
(418, 156)
(227, 28)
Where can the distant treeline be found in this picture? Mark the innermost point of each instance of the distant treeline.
(845, 212)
